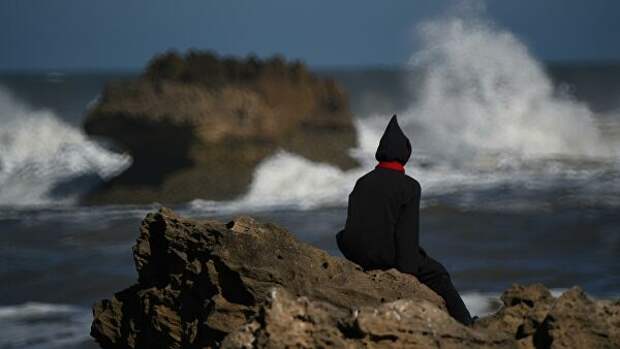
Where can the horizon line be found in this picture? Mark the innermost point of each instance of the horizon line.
(314, 67)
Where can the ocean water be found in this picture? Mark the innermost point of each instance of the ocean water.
(519, 162)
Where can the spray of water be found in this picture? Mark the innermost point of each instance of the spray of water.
(38, 152)
(483, 114)
(483, 93)
(480, 101)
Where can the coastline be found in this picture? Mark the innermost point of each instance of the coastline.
(250, 284)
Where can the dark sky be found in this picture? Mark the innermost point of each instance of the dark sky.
(111, 34)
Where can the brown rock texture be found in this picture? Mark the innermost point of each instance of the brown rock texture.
(200, 280)
(535, 319)
(289, 322)
(246, 284)
(197, 125)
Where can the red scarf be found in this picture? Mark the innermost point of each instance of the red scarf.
(392, 165)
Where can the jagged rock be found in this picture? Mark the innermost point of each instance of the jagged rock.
(535, 319)
(525, 307)
(197, 126)
(200, 280)
(576, 321)
(286, 322)
(247, 284)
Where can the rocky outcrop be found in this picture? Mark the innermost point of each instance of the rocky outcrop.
(535, 319)
(197, 125)
(248, 284)
(289, 322)
(200, 280)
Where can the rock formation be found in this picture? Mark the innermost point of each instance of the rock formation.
(197, 126)
(289, 322)
(245, 284)
(535, 319)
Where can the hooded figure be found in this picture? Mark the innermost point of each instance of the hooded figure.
(382, 227)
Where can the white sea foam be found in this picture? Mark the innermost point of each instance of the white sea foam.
(484, 93)
(484, 114)
(481, 304)
(487, 303)
(41, 325)
(39, 151)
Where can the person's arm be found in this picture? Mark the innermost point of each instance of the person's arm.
(407, 234)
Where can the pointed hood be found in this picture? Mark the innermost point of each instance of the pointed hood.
(394, 145)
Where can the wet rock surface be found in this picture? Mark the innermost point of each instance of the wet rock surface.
(197, 125)
(246, 284)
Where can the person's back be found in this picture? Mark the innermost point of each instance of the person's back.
(376, 221)
(382, 227)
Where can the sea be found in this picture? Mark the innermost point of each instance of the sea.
(519, 162)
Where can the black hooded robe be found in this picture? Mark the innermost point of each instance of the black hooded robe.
(382, 227)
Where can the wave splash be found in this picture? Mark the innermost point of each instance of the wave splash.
(483, 93)
(483, 114)
(45, 161)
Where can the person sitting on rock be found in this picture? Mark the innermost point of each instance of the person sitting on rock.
(382, 226)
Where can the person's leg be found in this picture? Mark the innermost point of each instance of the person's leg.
(436, 277)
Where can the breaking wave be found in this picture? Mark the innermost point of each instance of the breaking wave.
(484, 93)
(45, 161)
(483, 114)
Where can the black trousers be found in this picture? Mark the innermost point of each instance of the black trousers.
(432, 274)
(436, 277)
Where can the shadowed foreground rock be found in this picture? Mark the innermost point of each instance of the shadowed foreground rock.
(247, 284)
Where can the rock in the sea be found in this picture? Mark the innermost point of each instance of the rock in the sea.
(246, 284)
(198, 125)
